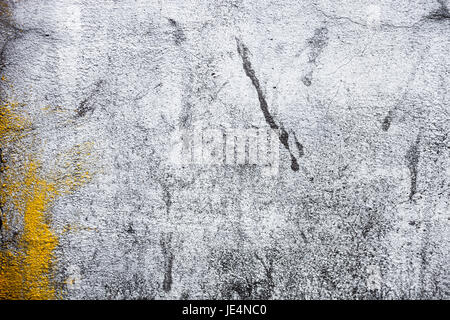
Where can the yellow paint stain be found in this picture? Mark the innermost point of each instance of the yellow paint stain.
(27, 260)
(37, 237)
(26, 270)
(25, 274)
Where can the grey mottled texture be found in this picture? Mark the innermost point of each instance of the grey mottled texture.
(356, 92)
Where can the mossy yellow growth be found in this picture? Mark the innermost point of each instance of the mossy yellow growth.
(25, 274)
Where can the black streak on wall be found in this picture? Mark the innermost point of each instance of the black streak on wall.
(86, 106)
(387, 121)
(166, 241)
(178, 33)
(282, 133)
(412, 158)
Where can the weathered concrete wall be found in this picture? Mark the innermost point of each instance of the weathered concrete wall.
(122, 177)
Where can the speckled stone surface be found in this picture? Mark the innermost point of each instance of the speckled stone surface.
(239, 149)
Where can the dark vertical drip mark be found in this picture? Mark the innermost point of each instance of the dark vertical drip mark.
(307, 79)
(167, 285)
(186, 116)
(392, 113)
(294, 163)
(167, 197)
(317, 43)
(387, 121)
(166, 242)
(86, 106)
(412, 157)
(268, 269)
(282, 133)
(178, 34)
(304, 236)
(284, 138)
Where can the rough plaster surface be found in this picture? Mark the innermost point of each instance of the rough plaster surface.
(351, 96)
